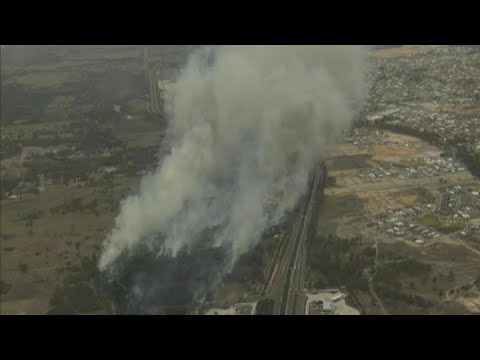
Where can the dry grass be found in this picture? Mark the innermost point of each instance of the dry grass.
(29, 128)
(56, 241)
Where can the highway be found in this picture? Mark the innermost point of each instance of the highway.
(287, 283)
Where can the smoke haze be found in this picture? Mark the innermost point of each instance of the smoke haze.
(247, 124)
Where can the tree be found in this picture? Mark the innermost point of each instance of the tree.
(451, 276)
(265, 307)
(23, 268)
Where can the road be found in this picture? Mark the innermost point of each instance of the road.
(287, 284)
(154, 101)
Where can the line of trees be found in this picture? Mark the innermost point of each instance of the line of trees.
(265, 307)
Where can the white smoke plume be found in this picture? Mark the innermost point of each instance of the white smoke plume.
(247, 125)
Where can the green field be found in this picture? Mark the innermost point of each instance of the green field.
(441, 224)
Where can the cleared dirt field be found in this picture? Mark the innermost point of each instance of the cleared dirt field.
(400, 147)
(401, 51)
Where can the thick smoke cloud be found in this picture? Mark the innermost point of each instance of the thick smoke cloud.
(247, 124)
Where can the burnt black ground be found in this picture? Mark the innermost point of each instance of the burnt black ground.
(147, 284)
